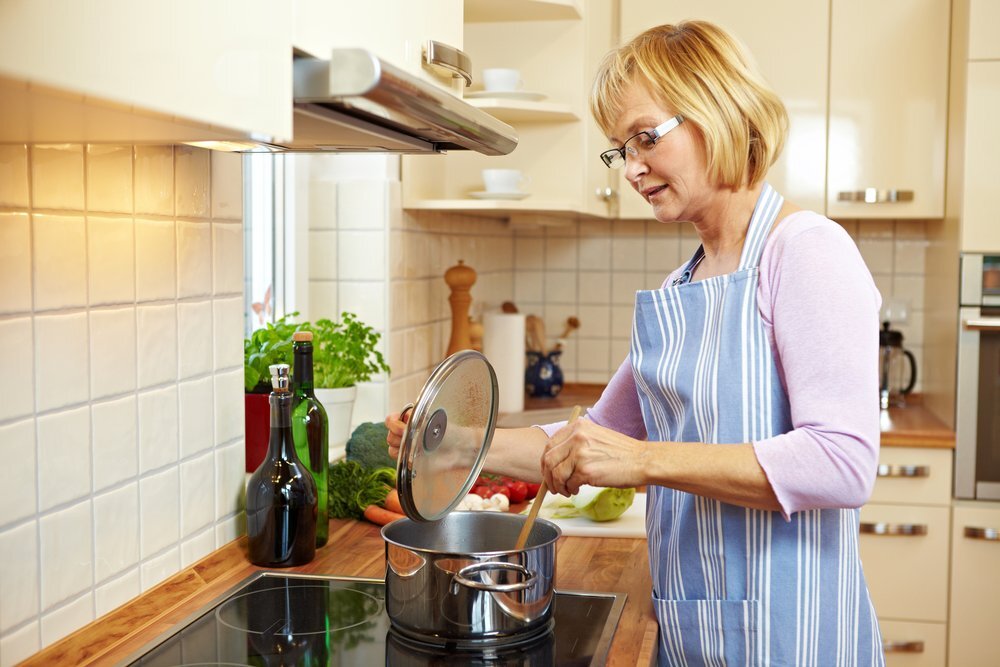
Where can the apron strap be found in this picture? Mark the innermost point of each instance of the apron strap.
(765, 213)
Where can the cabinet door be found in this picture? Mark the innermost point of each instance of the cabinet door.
(918, 475)
(794, 62)
(909, 644)
(888, 108)
(222, 64)
(396, 30)
(984, 17)
(980, 213)
(975, 585)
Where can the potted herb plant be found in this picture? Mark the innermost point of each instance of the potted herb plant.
(344, 354)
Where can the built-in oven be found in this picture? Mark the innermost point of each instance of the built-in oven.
(977, 410)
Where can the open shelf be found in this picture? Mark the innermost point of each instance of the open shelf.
(522, 111)
(486, 11)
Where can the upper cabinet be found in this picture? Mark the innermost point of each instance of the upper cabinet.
(888, 108)
(123, 71)
(555, 45)
(874, 145)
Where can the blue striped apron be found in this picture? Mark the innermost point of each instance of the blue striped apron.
(731, 585)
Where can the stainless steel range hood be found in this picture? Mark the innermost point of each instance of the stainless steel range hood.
(356, 102)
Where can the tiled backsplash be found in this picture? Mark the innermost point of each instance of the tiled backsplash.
(121, 413)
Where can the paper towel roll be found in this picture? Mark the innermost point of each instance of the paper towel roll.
(503, 345)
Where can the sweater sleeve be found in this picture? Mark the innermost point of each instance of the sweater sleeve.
(821, 307)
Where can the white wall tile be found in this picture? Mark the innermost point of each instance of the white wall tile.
(528, 288)
(227, 262)
(160, 568)
(116, 592)
(560, 253)
(194, 259)
(323, 255)
(593, 354)
(227, 185)
(194, 329)
(230, 480)
(61, 372)
(15, 260)
(367, 300)
(628, 253)
(66, 561)
(322, 204)
(197, 494)
(529, 253)
(111, 260)
(18, 492)
(323, 300)
(157, 348)
(158, 428)
(112, 351)
(18, 399)
(228, 323)
(61, 621)
(621, 323)
(155, 260)
(595, 253)
(14, 175)
(197, 547)
(20, 644)
(662, 253)
(154, 180)
(624, 286)
(560, 287)
(877, 253)
(109, 178)
(229, 529)
(362, 204)
(192, 178)
(57, 176)
(64, 472)
(595, 287)
(228, 406)
(361, 255)
(18, 575)
(158, 502)
(116, 525)
(595, 321)
(196, 409)
(60, 259)
(115, 441)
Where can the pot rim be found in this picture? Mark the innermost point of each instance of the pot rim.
(489, 553)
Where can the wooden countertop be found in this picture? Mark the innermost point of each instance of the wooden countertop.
(356, 549)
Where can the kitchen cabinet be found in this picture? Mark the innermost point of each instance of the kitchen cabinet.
(396, 30)
(795, 65)
(984, 17)
(556, 45)
(980, 228)
(866, 91)
(975, 584)
(904, 543)
(122, 71)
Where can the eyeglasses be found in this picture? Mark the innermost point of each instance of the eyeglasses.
(638, 143)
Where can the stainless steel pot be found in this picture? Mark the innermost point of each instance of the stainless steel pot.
(461, 579)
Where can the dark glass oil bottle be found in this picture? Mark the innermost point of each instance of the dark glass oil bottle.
(311, 428)
(281, 493)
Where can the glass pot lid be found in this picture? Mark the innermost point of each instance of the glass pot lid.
(447, 436)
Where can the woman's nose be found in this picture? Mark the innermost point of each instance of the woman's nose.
(635, 168)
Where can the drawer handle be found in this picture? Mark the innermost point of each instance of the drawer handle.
(875, 196)
(456, 62)
(988, 534)
(886, 470)
(903, 647)
(906, 529)
(982, 323)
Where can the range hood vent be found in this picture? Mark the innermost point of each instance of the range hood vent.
(356, 102)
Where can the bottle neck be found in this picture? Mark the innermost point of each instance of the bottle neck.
(303, 371)
(281, 444)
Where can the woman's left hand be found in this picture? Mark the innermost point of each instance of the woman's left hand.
(585, 453)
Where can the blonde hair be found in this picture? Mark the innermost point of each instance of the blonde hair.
(700, 72)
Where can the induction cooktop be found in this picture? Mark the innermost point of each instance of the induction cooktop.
(277, 619)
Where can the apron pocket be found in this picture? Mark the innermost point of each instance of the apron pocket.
(710, 632)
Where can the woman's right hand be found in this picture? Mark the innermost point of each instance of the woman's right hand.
(397, 427)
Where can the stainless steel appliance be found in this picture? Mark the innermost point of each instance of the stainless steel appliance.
(276, 618)
(977, 414)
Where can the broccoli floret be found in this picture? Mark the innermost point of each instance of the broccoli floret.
(368, 447)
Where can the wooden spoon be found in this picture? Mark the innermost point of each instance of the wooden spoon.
(522, 538)
(572, 324)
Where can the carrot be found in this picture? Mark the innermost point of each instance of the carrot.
(380, 516)
(392, 502)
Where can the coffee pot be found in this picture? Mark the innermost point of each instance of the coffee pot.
(897, 368)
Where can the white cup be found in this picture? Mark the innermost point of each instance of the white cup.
(501, 79)
(503, 180)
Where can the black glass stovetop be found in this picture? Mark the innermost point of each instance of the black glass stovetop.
(279, 620)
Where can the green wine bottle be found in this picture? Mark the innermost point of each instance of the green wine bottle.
(311, 428)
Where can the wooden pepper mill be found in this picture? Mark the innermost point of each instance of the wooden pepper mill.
(460, 279)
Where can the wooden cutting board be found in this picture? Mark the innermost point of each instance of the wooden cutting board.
(631, 524)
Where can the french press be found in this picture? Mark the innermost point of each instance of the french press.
(897, 368)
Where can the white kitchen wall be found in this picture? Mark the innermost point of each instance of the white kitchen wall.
(121, 406)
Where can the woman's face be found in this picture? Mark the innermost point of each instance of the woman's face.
(672, 174)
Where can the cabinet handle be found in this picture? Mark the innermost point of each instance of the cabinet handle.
(981, 323)
(886, 470)
(988, 534)
(458, 64)
(903, 647)
(906, 529)
(875, 196)
(607, 194)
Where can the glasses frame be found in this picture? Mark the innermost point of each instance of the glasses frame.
(610, 156)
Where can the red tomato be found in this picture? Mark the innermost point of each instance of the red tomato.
(532, 490)
(482, 490)
(507, 481)
(497, 488)
(518, 492)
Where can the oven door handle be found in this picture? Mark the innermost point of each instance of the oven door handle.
(982, 323)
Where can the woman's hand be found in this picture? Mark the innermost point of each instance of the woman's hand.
(397, 427)
(585, 453)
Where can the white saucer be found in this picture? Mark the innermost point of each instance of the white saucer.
(498, 195)
(506, 95)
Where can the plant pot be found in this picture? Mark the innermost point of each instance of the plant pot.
(339, 404)
(256, 428)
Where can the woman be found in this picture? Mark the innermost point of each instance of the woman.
(747, 405)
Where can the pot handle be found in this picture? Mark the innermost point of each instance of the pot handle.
(462, 577)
